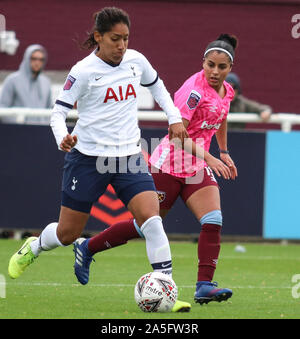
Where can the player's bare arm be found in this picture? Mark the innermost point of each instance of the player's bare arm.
(221, 136)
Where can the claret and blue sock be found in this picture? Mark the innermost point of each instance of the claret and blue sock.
(208, 253)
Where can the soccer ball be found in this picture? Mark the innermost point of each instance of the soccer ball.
(155, 292)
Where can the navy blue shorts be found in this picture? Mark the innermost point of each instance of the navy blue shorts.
(86, 178)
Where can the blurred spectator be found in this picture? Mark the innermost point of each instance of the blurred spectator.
(28, 87)
(241, 104)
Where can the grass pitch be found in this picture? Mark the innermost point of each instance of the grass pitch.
(261, 279)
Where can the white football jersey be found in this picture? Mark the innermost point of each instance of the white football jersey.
(106, 99)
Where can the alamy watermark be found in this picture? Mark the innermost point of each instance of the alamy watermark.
(2, 23)
(173, 157)
(2, 286)
(296, 288)
(296, 28)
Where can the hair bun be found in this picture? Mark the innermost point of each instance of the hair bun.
(230, 39)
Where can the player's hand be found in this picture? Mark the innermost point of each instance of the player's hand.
(178, 131)
(230, 163)
(68, 142)
(219, 167)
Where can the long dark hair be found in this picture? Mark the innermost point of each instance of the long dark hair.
(104, 20)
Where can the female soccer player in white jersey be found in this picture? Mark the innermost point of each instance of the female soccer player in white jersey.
(105, 86)
(203, 101)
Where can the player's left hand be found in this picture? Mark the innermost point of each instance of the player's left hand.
(178, 131)
(230, 163)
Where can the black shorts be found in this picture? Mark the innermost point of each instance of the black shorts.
(86, 178)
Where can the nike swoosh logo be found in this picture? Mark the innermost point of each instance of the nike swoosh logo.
(20, 250)
(98, 78)
(166, 265)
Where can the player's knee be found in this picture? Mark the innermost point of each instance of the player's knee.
(67, 238)
(213, 217)
(146, 215)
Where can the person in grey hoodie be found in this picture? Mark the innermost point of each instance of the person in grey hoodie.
(28, 87)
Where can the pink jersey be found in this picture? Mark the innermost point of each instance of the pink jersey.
(206, 110)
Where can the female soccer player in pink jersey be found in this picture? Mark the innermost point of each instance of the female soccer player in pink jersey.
(203, 101)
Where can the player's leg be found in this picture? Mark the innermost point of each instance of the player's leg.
(144, 196)
(77, 199)
(205, 205)
(115, 235)
(157, 243)
(137, 191)
(125, 230)
(96, 186)
(144, 207)
(69, 227)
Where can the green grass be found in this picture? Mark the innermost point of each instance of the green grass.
(261, 280)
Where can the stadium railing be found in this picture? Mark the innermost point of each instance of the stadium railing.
(285, 120)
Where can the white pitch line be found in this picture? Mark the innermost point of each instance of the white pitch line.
(53, 284)
(240, 256)
(179, 256)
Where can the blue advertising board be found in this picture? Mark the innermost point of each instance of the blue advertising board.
(282, 189)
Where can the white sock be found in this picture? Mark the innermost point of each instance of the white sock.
(47, 240)
(157, 245)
